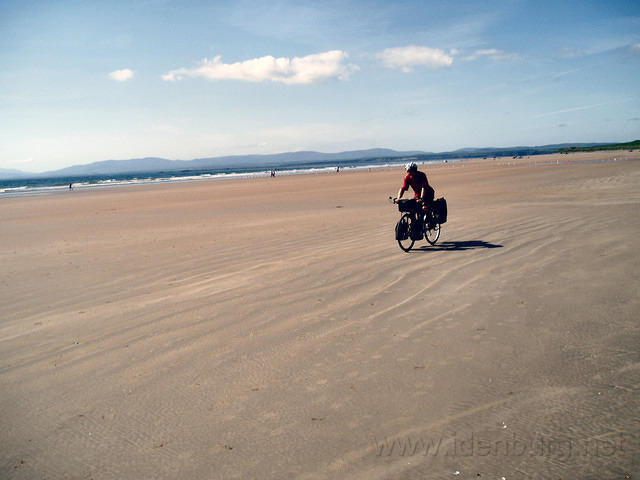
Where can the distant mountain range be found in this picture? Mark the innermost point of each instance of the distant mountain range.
(11, 173)
(279, 160)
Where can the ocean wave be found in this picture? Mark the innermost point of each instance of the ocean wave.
(43, 186)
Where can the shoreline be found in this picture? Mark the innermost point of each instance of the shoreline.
(538, 160)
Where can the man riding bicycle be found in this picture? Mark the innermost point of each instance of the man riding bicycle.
(417, 180)
(422, 215)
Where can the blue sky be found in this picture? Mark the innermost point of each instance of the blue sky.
(88, 81)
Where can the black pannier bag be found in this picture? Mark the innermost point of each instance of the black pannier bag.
(440, 210)
(416, 231)
(402, 230)
(407, 205)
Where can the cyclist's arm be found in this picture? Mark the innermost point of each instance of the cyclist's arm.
(423, 190)
(403, 188)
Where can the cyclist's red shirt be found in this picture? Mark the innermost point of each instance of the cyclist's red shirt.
(417, 180)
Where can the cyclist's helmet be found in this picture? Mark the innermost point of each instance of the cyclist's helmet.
(411, 167)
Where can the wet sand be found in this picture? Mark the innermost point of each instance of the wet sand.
(272, 328)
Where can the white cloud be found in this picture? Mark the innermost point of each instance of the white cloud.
(574, 109)
(491, 53)
(121, 75)
(323, 137)
(572, 52)
(292, 71)
(23, 162)
(411, 56)
(635, 48)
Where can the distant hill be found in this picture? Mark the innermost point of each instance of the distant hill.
(284, 159)
(598, 147)
(279, 160)
(155, 164)
(110, 167)
(9, 173)
(520, 150)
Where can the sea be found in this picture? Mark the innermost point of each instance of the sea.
(43, 185)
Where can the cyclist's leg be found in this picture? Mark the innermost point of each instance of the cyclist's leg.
(423, 214)
(428, 207)
(417, 222)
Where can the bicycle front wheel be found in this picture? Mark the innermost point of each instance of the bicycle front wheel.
(403, 232)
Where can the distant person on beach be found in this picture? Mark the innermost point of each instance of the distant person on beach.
(71, 186)
(418, 181)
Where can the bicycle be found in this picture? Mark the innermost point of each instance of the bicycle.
(415, 224)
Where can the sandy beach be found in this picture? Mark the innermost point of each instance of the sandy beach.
(271, 328)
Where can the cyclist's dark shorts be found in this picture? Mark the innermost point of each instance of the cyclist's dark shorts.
(428, 195)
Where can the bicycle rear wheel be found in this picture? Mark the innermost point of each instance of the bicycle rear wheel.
(432, 234)
(403, 232)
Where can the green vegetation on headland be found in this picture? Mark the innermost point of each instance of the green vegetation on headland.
(607, 146)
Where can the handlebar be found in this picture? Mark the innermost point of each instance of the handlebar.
(394, 200)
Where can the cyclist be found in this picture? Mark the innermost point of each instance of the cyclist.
(418, 181)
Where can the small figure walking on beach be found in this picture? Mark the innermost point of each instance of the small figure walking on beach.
(71, 186)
